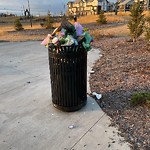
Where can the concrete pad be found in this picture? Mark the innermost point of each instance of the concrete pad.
(19, 65)
(101, 136)
(11, 78)
(28, 120)
(15, 51)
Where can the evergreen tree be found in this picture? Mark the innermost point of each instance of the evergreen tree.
(64, 17)
(18, 25)
(136, 22)
(49, 23)
(102, 18)
(147, 27)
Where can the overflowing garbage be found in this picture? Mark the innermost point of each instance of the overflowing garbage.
(66, 35)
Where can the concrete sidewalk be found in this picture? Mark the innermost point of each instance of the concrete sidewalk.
(28, 120)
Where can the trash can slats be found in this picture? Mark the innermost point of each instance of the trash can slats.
(68, 73)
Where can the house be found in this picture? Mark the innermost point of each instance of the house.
(111, 6)
(146, 4)
(85, 7)
(124, 5)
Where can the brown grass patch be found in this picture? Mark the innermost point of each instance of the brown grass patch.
(127, 13)
(116, 31)
(146, 13)
(115, 19)
(90, 20)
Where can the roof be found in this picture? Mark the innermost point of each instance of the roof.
(77, 1)
(126, 2)
(70, 2)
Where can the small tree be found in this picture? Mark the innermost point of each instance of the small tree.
(116, 8)
(147, 27)
(49, 23)
(18, 25)
(136, 23)
(102, 18)
(64, 17)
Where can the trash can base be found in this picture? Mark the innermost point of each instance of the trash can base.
(70, 109)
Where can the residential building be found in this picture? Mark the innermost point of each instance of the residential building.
(85, 7)
(146, 4)
(124, 5)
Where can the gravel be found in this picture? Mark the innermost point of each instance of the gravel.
(124, 69)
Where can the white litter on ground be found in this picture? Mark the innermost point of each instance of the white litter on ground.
(98, 96)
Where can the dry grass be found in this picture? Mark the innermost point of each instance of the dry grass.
(5, 29)
(89, 19)
(15, 37)
(123, 13)
(109, 16)
(115, 19)
(9, 27)
(116, 31)
(146, 13)
(7, 19)
(122, 30)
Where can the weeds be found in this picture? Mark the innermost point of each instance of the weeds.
(50, 21)
(140, 98)
(18, 25)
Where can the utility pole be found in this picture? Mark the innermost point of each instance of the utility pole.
(23, 10)
(148, 5)
(30, 13)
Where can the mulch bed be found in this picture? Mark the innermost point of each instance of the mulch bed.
(124, 69)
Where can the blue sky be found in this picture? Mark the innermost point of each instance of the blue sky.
(37, 6)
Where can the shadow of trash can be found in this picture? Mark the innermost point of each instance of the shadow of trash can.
(68, 75)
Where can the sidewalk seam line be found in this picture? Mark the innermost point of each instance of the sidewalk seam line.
(87, 132)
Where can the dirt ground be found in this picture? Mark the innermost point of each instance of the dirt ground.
(124, 69)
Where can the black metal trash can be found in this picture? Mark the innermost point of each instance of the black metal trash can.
(68, 74)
